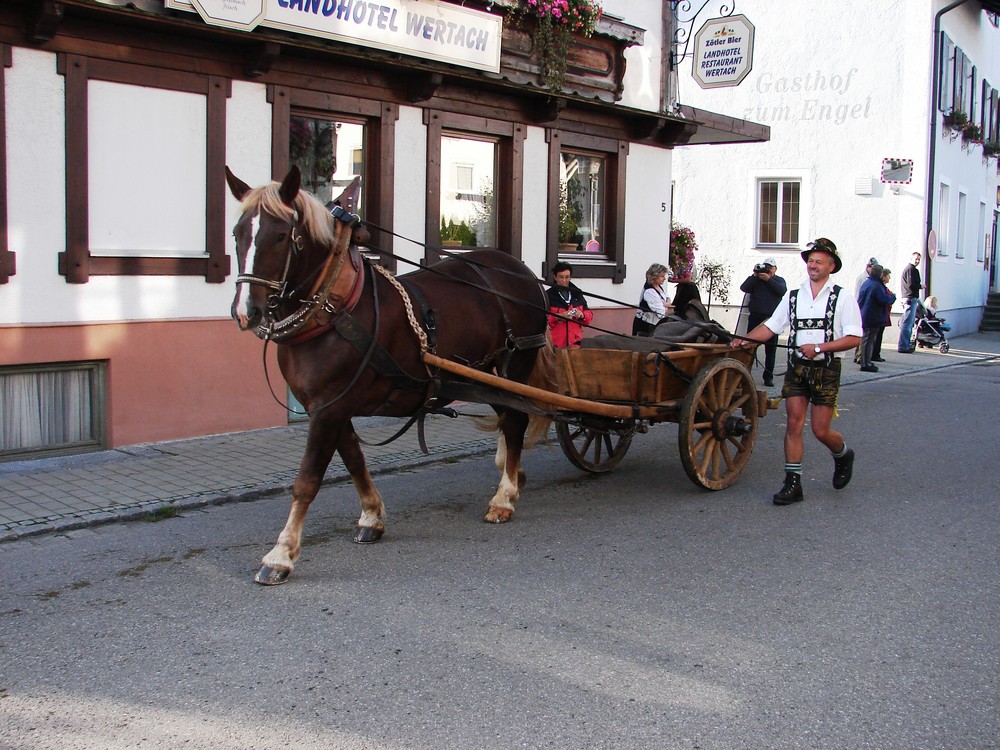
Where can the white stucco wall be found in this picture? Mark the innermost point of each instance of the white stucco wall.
(36, 217)
(837, 103)
(642, 71)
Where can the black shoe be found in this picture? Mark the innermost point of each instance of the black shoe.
(791, 490)
(768, 383)
(869, 368)
(877, 359)
(842, 469)
(905, 351)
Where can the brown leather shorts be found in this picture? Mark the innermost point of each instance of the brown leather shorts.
(819, 384)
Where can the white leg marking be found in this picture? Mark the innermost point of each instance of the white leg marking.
(500, 460)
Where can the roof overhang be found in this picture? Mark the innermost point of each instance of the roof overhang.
(713, 128)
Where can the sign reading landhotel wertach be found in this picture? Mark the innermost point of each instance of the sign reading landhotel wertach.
(421, 28)
(723, 52)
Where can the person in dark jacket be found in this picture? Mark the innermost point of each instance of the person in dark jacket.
(910, 288)
(874, 300)
(685, 293)
(764, 289)
(568, 309)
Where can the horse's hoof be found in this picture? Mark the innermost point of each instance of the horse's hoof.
(499, 515)
(368, 535)
(268, 576)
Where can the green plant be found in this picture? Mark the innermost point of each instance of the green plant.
(991, 149)
(570, 210)
(956, 119)
(972, 133)
(460, 232)
(555, 22)
(713, 277)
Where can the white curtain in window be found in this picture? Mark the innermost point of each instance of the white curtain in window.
(43, 409)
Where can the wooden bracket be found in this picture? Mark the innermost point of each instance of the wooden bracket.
(259, 58)
(422, 86)
(547, 109)
(42, 20)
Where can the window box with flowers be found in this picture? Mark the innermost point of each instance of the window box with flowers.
(991, 149)
(971, 134)
(555, 22)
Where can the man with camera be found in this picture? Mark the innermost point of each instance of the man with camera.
(764, 290)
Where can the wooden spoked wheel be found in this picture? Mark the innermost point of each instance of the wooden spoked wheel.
(596, 449)
(718, 424)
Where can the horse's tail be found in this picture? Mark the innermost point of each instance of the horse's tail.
(544, 375)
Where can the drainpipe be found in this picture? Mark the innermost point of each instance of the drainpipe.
(931, 168)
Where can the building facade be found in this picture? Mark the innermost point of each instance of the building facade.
(118, 119)
(863, 148)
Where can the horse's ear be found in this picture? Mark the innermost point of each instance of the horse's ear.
(351, 196)
(236, 186)
(290, 186)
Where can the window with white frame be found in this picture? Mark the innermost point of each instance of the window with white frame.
(960, 235)
(778, 205)
(51, 409)
(944, 218)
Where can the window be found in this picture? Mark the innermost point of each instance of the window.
(586, 204)
(333, 138)
(960, 72)
(131, 226)
(7, 258)
(960, 235)
(468, 210)
(55, 409)
(946, 80)
(474, 178)
(325, 152)
(778, 204)
(981, 234)
(944, 219)
(582, 188)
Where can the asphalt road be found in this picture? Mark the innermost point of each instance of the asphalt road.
(631, 610)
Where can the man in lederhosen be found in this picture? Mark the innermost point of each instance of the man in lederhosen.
(822, 320)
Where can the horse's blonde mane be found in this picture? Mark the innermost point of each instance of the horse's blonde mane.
(315, 218)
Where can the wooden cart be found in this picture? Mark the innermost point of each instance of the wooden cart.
(606, 396)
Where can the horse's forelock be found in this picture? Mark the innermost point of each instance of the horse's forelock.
(315, 218)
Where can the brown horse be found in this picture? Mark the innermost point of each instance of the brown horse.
(351, 339)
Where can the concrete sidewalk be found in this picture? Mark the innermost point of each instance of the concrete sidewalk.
(59, 494)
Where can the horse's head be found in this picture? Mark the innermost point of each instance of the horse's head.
(282, 237)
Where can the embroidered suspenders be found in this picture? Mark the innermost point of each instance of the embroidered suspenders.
(811, 324)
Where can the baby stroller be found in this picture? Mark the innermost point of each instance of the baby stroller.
(929, 330)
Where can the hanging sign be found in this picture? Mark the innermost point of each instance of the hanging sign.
(422, 28)
(723, 52)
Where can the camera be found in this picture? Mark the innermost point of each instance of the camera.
(761, 268)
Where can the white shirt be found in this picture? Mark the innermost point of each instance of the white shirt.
(657, 300)
(846, 316)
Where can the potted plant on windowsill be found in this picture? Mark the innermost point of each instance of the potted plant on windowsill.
(457, 235)
(555, 21)
(991, 149)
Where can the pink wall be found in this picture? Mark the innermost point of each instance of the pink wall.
(165, 380)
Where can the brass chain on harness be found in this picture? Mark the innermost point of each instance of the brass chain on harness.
(408, 304)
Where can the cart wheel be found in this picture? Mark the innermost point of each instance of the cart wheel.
(943, 347)
(594, 449)
(718, 424)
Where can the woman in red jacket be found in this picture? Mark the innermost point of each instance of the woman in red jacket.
(568, 310)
